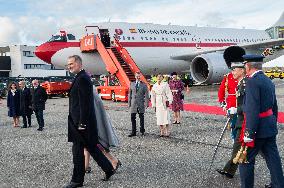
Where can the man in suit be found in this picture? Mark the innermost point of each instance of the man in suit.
(260, 128)
(82, 126)
(138, 99)
(25, 104)
(39, 97)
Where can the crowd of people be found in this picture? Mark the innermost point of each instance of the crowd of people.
(23, 101)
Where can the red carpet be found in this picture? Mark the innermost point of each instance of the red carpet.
(217, 110)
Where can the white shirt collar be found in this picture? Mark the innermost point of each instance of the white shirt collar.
(255, 73)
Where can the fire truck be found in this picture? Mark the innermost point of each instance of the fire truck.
(119, 65)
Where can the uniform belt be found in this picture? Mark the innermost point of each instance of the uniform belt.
(266, 113)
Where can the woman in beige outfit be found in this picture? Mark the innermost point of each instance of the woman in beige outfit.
(161, 97)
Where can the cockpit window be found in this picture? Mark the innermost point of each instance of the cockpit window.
(58, 38)
(71, 37)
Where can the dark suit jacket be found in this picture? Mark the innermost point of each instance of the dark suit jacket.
(259, 97)
(39, 97)
(26, 101)
(81, 111)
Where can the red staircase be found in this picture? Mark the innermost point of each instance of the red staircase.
(117, 59)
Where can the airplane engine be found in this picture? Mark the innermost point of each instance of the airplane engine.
(208, 68)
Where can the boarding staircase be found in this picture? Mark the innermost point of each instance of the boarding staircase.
(117, 59)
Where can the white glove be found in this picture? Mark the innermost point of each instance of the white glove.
(247, 140)
(232, 111)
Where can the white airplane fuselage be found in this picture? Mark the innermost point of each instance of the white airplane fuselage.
(152, 45)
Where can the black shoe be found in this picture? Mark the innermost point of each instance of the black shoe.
(268, 185)
(174, 122)
(131, 135)
(230, 176)
(24, 126)
(108, 175)
(142, 134)
(73, 185)
(88, 170)
(220, 171)
(40, 129)
(30, 126)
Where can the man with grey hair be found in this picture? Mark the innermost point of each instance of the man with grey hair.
(39, 97)
(260, 124)
(82, 124)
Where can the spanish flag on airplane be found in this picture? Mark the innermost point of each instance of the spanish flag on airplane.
(132, 30)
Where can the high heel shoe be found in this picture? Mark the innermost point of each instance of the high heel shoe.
(88, 170)
(117, 165)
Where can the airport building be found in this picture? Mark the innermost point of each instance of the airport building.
(277, 30)
(20, 61)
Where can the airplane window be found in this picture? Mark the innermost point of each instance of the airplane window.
(128, 38)
(162, 38)
(141, 38)
(177, 39)
(123, 37)
(133, 38)
(184, 39)
(181, 39)
(71, 37)
(154, 38)
(58, 38)
(150, 38)
(146, 38)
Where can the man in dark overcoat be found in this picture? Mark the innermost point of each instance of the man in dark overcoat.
(82, 126)
(260, 127)
(39, 97)
(25, 104)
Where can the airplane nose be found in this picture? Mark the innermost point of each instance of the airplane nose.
(45, 52)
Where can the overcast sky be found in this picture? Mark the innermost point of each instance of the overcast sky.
(32, 22)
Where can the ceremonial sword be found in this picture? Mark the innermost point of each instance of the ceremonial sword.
(219, 141)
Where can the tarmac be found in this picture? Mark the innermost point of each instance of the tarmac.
(33, 159)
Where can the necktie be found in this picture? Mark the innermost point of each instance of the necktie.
(137, 86)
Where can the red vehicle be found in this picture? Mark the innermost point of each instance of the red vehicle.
(58, 88)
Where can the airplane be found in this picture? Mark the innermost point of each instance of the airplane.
(162, 48)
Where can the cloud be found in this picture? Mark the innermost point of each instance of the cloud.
(8, 32)
(38, 20)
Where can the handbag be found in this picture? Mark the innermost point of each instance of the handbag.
(182, 96)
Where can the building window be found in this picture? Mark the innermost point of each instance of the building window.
(28, 54)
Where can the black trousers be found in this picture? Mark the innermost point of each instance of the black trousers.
(230, 167)
(39, 118)
(29, 117)
(79, 161)
(133, 121)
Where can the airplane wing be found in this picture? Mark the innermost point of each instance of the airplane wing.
(253, 47)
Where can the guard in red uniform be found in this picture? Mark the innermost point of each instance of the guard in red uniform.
(228, 87)
(227, 91)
